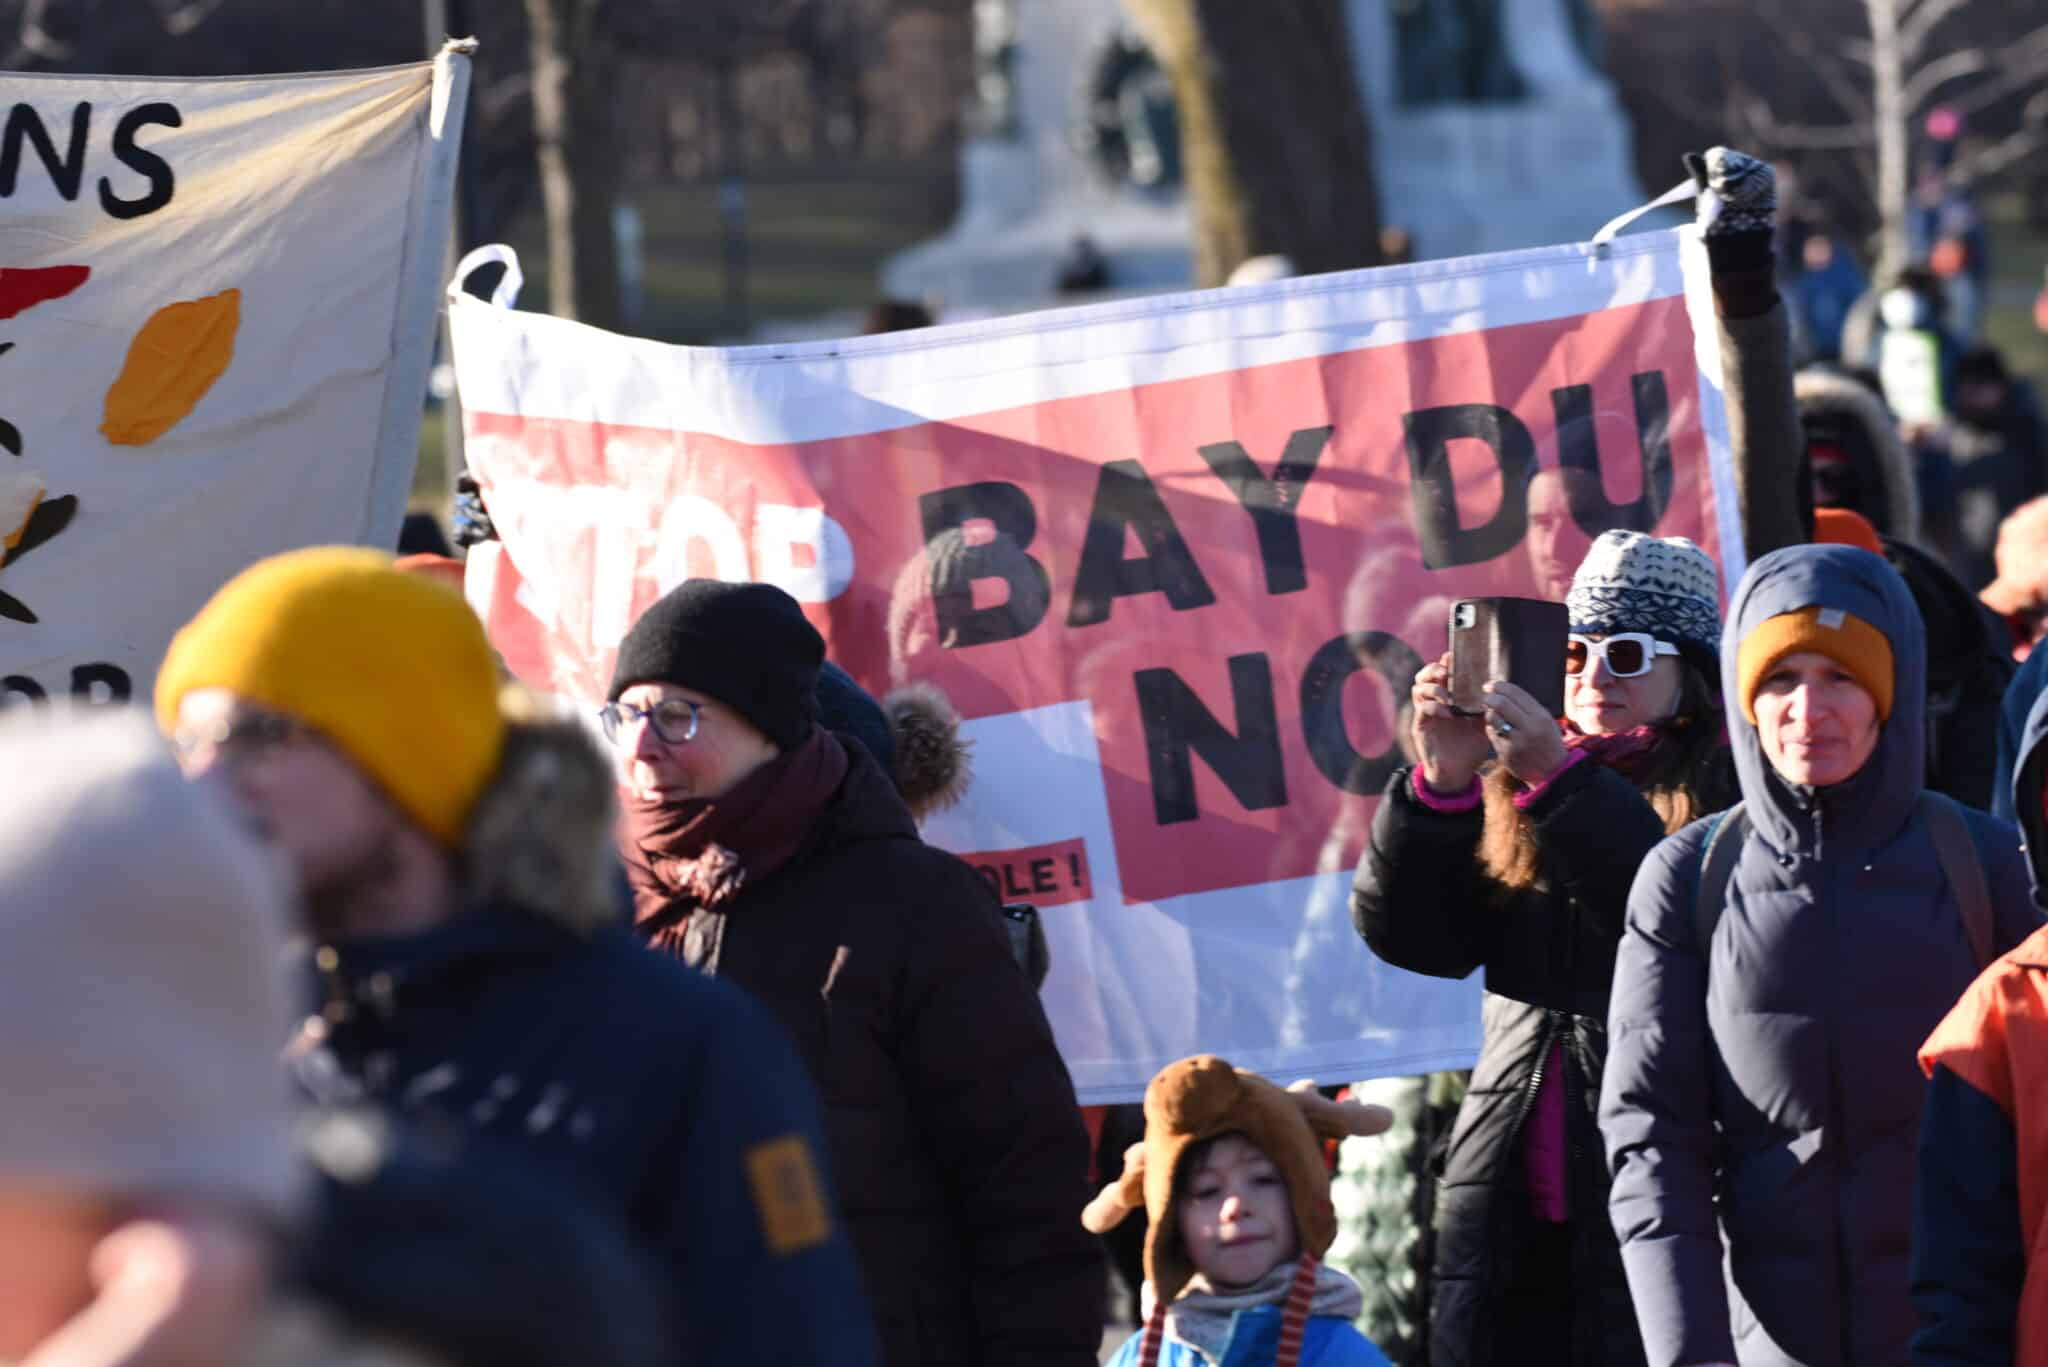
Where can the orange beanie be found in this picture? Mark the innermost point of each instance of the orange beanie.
(1849, 641)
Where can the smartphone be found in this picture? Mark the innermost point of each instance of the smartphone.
(1518, 639)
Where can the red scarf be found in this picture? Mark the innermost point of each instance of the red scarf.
(682, 856)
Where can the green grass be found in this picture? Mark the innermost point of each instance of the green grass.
(2019, 254)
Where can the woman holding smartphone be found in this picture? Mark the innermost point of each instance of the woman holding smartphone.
(1511, 847)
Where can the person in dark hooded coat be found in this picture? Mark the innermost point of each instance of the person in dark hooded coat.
(767, 850)
(1858, 460)
(1762, 1090)
(1968, 666)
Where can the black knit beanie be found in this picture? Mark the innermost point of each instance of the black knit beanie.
(747, 645)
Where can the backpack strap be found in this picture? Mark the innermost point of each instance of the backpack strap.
(1963, 868)
(1717, 865)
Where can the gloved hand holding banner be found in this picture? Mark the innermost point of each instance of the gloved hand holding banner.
(1176, 560)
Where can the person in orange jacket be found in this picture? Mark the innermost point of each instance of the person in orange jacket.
(1981, 1199)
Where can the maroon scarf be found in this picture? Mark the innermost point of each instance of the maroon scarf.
(1632, 754)
(682, 856)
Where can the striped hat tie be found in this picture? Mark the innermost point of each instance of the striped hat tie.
(1301, 1293)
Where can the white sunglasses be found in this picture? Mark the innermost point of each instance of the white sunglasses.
(1627, 654)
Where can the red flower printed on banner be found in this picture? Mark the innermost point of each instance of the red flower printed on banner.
(22, 289)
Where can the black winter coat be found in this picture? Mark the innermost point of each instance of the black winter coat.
(957, 1143)
(1424, 902)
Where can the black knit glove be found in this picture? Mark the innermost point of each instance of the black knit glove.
(1738, 215)
(472, 520)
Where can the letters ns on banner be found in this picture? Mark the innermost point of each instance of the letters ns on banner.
(26, 132)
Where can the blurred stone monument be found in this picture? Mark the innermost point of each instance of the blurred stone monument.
(1493, 125)
(1492, 128)
(1071, 162)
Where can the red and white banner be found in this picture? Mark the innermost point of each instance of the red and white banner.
(1176, 560)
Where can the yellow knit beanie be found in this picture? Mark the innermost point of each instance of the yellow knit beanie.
(1848, 640)
(392, 668)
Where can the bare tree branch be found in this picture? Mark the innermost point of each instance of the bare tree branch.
(186, 17)
(2023, 64)
(2023, 142)
(1915, 29)
(1802, 137)
(1930, 78)
(1680, 101)
(1843, 86)
(35, 39)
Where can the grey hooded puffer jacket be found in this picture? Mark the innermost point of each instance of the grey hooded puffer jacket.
(1777, 1098)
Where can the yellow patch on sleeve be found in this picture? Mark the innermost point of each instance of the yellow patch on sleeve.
(788, 1194)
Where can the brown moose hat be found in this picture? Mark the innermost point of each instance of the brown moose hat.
(1200, 1098)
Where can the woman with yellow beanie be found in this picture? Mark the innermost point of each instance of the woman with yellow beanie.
(1782, 963)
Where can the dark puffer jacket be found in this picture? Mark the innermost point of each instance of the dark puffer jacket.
(671, 1104)
(1776, 1099)
(1423, 902)
(957, 1144)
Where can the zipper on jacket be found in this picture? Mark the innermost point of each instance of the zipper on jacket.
(1838, 1114)
(1554, 1025)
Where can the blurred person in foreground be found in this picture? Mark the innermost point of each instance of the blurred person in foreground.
(147, 1185)
(771, 852)
(467, 968)
(154, 1205)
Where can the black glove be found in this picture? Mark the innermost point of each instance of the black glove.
(1738, 207)
(472, 520)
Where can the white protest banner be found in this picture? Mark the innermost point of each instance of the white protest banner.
(217, 308)
(1177, 561)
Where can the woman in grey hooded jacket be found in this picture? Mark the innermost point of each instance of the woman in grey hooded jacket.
(1762, 1085)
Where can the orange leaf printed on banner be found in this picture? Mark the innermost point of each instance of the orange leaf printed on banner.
(172, 362)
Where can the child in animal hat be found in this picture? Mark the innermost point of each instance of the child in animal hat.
(1231, 1173)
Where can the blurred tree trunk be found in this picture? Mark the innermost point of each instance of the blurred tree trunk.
(1892, 120)
(575, 125)
(1273, 133)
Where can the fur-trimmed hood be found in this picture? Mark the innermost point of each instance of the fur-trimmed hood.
(934, 763)
(913, 733)
(540, 837)
(1837, 398)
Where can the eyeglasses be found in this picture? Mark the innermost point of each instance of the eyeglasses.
(238, 738)
(674, 719)
(1627, 654)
